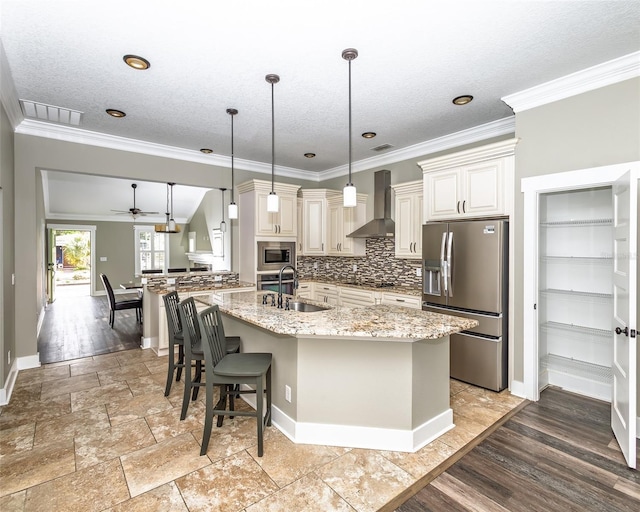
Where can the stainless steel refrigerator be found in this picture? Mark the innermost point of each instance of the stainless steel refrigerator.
(465, 273)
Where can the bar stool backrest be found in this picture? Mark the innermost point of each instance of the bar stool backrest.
(171, 301)
(189, 321)
(213, 343)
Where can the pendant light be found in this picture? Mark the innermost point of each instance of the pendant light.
(223, 224)
(272, 199)
(170, 225)
(349, 198)
(233, 207)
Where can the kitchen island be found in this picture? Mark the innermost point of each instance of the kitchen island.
(366, 377)
(154, 324)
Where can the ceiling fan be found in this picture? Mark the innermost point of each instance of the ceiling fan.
(134, 212)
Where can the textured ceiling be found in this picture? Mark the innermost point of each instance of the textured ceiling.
(414, 57)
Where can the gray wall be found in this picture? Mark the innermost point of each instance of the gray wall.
(593, 129)
(116, 242)
(7, 219)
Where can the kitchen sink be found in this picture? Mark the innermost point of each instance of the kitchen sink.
(303, 307)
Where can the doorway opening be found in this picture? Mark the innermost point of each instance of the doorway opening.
(70, 261)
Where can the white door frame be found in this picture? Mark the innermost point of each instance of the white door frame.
(92, 230)
(532, 188)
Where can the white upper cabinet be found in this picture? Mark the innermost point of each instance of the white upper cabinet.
(314, 222)
(408, 219)
(326, 224)
(474, 183)
(253, 208)
(342, 221)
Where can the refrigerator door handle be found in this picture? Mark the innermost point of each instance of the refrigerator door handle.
(450, 265)
(443, 263)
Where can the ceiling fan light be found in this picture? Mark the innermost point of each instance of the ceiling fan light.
(273, 202)
(349, 198)
(233, 211)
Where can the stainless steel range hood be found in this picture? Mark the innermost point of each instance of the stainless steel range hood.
(382, 225)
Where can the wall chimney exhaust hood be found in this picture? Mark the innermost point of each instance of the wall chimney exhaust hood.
(382, 225)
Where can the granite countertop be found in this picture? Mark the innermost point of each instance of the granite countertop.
(380, 321)
(199, 287)
(403, 289)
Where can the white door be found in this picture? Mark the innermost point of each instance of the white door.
(625, 247)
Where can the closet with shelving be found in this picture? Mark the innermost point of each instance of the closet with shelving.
(575, 299)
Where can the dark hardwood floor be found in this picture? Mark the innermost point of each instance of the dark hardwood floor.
(78, 326)
(557, 454)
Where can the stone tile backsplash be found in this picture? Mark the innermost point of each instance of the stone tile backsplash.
(378, 265)
(193, 278)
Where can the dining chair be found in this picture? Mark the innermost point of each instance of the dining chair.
(176, 338)
(192, 352)
(229, 371)
(121, 304)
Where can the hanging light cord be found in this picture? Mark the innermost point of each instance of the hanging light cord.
(273, 139)
(350, 121)
(232, 158)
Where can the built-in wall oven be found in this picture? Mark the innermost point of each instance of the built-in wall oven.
(272, 256)
(270, 283)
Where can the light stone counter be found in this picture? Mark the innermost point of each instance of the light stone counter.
(370, 377)
(379, 321)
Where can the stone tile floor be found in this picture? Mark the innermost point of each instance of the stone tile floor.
(97, 434)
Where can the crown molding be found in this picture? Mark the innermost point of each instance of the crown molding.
(607, 73)
(8, 93)
(79, 136)
(485, 131)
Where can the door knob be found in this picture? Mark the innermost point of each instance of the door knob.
(624, 331)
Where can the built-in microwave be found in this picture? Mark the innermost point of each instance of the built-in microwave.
(274, 255)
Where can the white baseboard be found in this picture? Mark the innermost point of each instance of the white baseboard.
(19, 363)
(517, 388)
(5, 392)
(358, 436)
(145, 342)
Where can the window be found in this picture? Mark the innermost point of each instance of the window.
(151, 249)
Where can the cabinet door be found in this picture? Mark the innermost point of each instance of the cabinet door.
(418, 204)
(483, 189)
(404, 226)
(265, 222)
(444, 192)
(287, 216)
(335, 230)
(313, 235)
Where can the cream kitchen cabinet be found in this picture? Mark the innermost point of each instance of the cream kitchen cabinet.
(408, 217)
(328, 293)
(326, 224)
(474, 183)
(340, 222)
(252, 208)
(314, 221)
(399, 299)
(355, 297)
(305, 290)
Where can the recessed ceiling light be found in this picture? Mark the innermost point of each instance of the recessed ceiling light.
(310, 155)
(136, 62)
(206, 151)
(115, 113)
(369, 135)
(462, 100)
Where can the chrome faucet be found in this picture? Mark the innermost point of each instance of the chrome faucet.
(295, 282)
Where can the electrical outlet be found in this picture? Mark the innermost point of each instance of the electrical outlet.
(103, 258)
(287, 393)
(355, 268)
(143, 280)
(9, 357)
(217, 278)
(419, 271)
(315, 266)
(171, 280)
(327, 266)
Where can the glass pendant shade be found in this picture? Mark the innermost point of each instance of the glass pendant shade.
(233, 211)
(349, 198)
(273, 202)
(223, 226)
